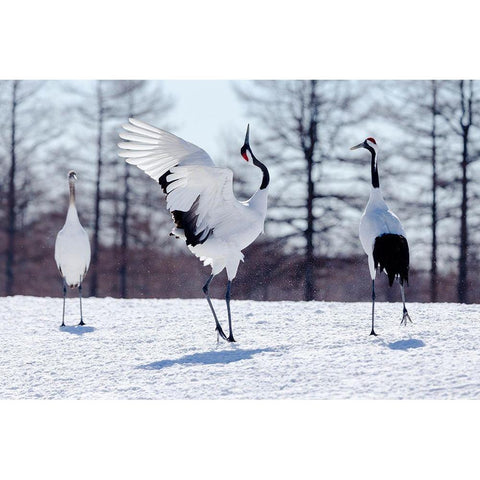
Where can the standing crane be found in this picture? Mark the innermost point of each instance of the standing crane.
(382, 236)
(72, 250)
(214, 224)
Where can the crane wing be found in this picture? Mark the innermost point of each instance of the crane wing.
(200, 199)
(199, 195)
(155, 151)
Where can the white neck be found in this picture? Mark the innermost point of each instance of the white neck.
(258, 201)
(376, 199)
(71, 185)
(72, 214)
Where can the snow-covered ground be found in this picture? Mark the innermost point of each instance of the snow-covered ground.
(167, 349)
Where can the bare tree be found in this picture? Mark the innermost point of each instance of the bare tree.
(100, 109)
(24, 123)
(415, 108)
(11, 215)
(100, 120)
(143, 99)
(304, 121)
(462, 119)
(466, 122)
(433, 257)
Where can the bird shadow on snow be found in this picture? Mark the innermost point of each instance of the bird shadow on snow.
(76, 329)
(406, 344)
(207, 358)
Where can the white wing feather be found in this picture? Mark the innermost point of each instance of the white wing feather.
(156, 151)
(193, 176)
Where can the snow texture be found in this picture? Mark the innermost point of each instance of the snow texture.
(167, 349)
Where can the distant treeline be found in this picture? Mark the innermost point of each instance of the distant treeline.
(267, 274)
(428, 134)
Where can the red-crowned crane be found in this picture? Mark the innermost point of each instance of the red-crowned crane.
(214, 224)
(382, 236)
(72, 250)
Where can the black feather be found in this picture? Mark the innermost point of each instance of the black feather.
(187, 221)
(390, 253)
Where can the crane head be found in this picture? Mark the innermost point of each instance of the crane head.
(367, 143)
(72, 176)
(246, 151)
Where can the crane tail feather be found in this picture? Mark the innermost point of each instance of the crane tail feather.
(391, 253)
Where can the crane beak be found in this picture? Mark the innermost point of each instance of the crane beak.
(247, 136)
(360, 145)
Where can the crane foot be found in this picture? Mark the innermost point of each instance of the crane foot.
(220, 332)
(406, 318)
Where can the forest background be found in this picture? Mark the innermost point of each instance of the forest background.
(429, 143)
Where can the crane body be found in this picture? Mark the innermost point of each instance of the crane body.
(214, 224)
(382, 236)
(72, 250)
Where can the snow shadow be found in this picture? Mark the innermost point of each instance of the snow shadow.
(207, 358)
(406, 344)
(76, 329)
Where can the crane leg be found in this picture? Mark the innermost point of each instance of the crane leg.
(373, 308)
(406, 317)
(227, 299)
(64, 295)
(80, 296)
(218, 327)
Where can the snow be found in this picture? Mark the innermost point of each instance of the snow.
(167, 349)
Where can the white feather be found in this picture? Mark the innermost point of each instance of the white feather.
(377, 219)
(72, 249)
(139, 138)
(229, 224)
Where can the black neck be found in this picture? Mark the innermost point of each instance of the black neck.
(375, 180)
(263, 168)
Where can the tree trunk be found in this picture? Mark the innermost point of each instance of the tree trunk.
(462, 259)
(96, 227)
(309, 289)
(124, 242)
(309, 279)
(465, 123)
(126, 211)
(12, 221)
(433, 265)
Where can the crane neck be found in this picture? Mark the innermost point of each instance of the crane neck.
(71, 184)
(374, 167)
(72, 214)
(376, 200)
(264, 169)
(258, 202)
